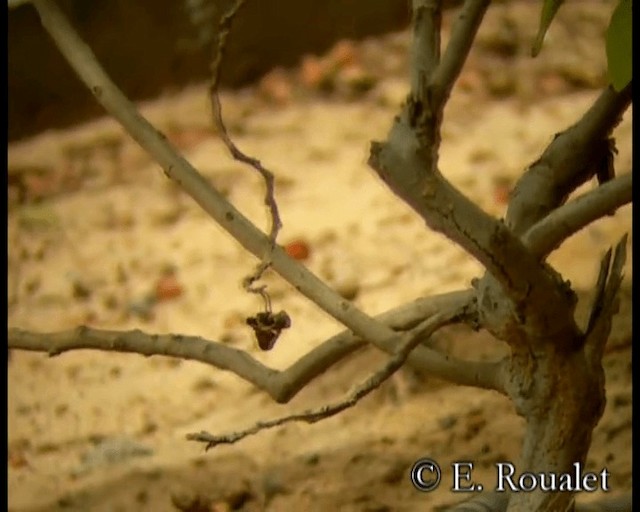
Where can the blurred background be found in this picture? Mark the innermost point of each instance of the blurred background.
(150, 46)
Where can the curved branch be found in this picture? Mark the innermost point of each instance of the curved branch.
(523, 279)
(547, 235)
(136, 341)
(282, 386)
(570, 160)
(409, 342)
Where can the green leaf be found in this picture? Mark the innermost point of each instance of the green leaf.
(619, 46)
(549, 10)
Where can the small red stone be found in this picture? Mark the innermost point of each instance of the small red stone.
(17, 459)
(298, 250)
(501, 194)
(276, 87)
(313, 72)
(168, 288)
(344, 53)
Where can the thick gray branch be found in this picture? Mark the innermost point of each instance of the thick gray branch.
(547, 235)
(408, 163)
(533, 289)
(572, 158)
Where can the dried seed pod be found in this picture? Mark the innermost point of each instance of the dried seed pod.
(267, 326)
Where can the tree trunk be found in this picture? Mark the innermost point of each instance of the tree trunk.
(562, 396)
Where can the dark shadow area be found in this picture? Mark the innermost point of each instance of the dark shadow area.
(150, 46)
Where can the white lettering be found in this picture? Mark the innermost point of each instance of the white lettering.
(605, 476)
(523, 479)
(576, 472)
(502, 476)
(565, 483)
(590, 477)
(548, 482)
(571, 481)
(459, 475)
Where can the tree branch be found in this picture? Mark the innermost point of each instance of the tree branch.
(410, 341)
(547, 235)
(572, 158)
(529, 284)
(425, 50)
(462, 35)
(282, 386)
(408, 163)
(315, 362)
(236, 153)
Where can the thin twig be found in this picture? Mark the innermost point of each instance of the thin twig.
(410, 342)
(462, 35)
(549, 233)
(269, 180)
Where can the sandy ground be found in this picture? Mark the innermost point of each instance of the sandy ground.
(99, 236)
